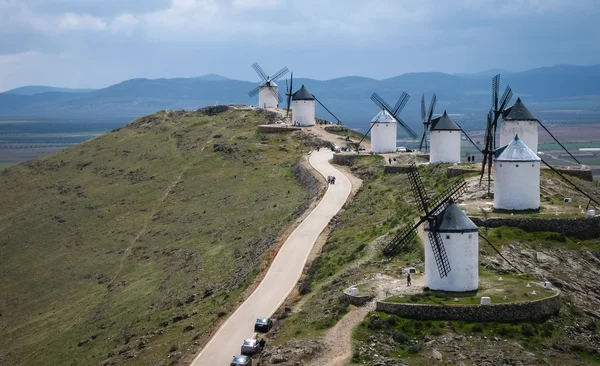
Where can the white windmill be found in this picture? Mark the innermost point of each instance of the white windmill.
(268, 94)
(384, 126)
(445, 139)
(516, 177)
(518, 120)
(451, 240)
(303, 108)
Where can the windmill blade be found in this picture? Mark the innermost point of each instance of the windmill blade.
(439, 253)
(561, 145)
(381, 103)
(279, 74)
(495, 89)
(289, 92)
(499, 253)
(431, 108)
(409, 130)
(451, 193)
(468, 138)
(254, 91)
(338, 121)
(260, 71)
(423, 138)
(571, 183)
(402, 240)
(487, 149)
(275, 93)
(423, 108)
(401, 103)
(416, 184)
(505, 98)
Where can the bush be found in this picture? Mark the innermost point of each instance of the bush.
(505, 331)
(527, 330)
(392, 320)
(477, 328)
(414, 348)
(375, 324)
(547, 329)
(400, 337)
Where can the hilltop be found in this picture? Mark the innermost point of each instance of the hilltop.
(129, 247)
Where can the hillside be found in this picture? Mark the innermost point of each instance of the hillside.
(561, 93)
(130, 246)
(324, 330)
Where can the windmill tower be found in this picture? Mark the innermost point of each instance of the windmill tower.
(451, 243)
(268, 93)
(426, 118)
(516, 177)
(445, 140)
(303, 108)
(518, 120)
(383, 133)
(384, 124)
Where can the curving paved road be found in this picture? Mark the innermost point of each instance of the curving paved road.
(283, 274)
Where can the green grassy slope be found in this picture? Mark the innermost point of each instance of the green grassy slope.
(110, 249)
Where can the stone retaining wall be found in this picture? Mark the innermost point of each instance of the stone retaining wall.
(277, 128)
(306, 179)
(356, 300)
(582, 174)
(502, 313)
(392, 169)
(583, 228)
(452, 172)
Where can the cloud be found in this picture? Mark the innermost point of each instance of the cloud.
(71, 21)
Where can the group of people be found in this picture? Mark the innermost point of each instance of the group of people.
(471, 159)
(331, 179)
(390, 161)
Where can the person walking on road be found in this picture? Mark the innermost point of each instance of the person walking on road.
(408, 280)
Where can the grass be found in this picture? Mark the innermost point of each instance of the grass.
(505, 235)
(511, 288)
(110, 248)
(406, 337)
(345, 131)
(6, 165)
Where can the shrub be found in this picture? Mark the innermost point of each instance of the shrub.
(414, 348)
(477, 328)
(504, 331)
(436, 332)
(400, 337)
(375, 324)
(527, 330)
(392, 320)
(547, 329)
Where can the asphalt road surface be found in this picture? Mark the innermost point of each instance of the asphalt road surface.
(283, 274)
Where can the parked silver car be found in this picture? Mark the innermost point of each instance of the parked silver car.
(250, 347)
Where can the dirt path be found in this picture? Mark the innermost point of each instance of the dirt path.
(338, 340)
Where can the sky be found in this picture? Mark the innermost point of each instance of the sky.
(97, 43)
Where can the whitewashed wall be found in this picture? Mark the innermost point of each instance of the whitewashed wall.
(516, 185)
(527, 131)
(266, 99)
(303, 112)
(445, 147)
(383, 137)
(463, 253)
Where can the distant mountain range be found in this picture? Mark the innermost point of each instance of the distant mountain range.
(544, 90)
(39, 89)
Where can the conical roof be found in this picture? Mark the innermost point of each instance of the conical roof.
(518, 112)
(444, 123)
(515, 151)
(454, 220)
(383, 117)
(302, 94)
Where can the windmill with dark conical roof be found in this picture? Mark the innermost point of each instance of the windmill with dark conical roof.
(445, 138)
(303, 108)
(518, 120)
(451, 243)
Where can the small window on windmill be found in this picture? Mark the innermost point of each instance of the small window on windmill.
(517, 165)
(447, 236)
(470, 236)
(500, 164)
(533, 165)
